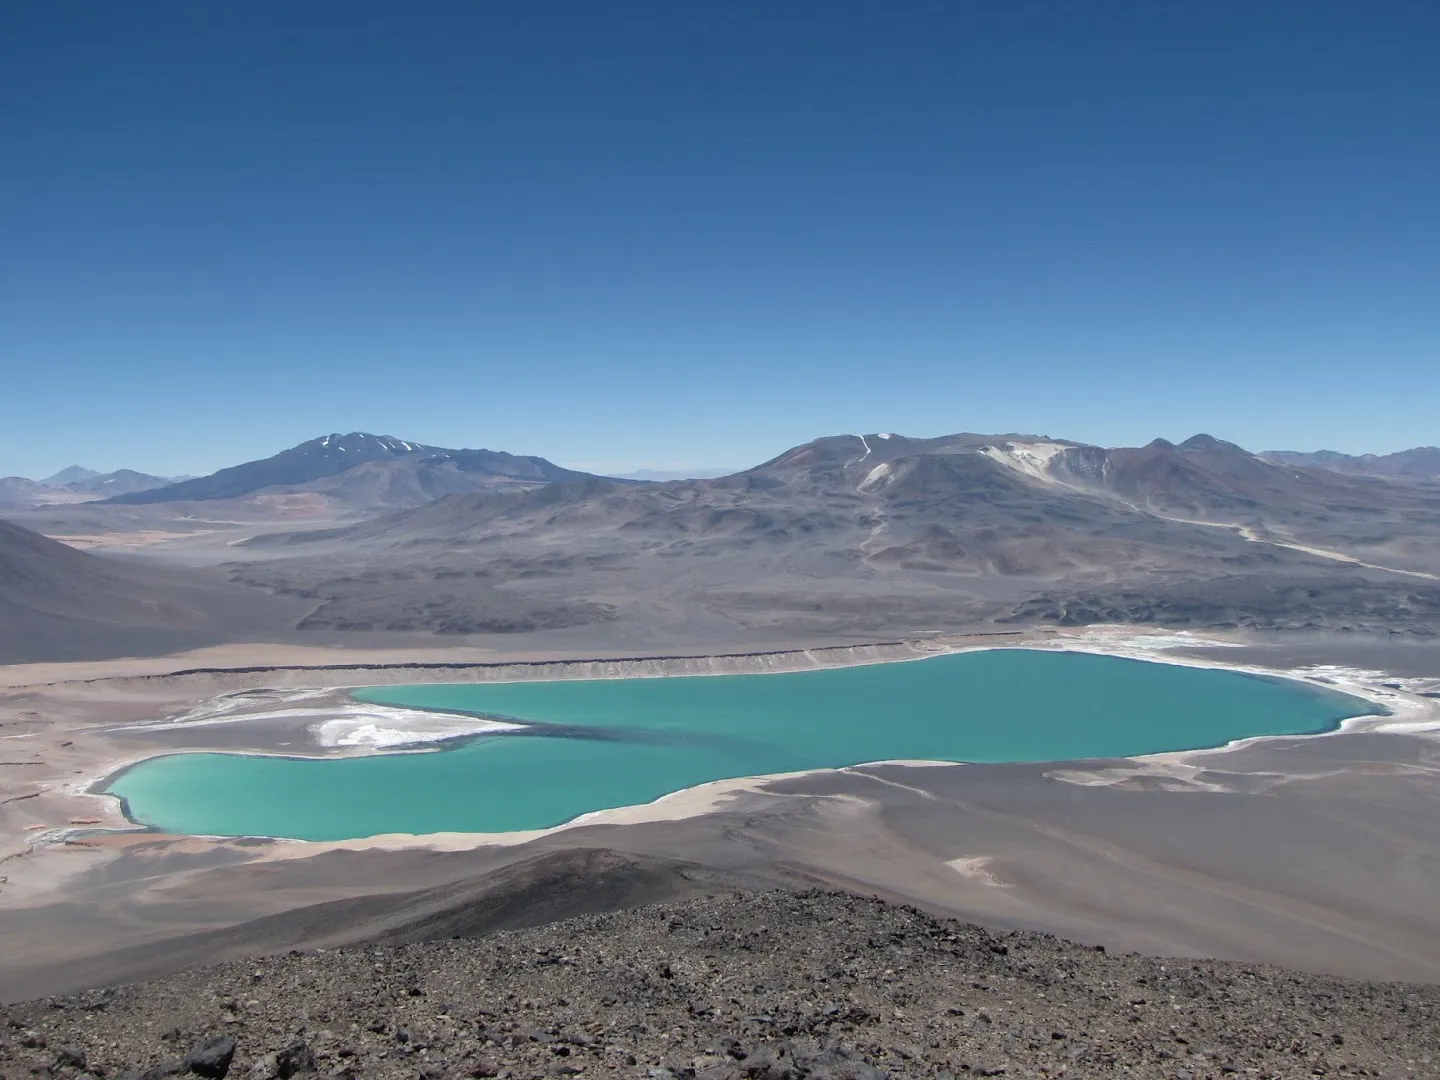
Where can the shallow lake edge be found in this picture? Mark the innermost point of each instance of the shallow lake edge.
(1375, 710)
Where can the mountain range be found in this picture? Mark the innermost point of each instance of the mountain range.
(882, 532)
(362, 471)
(75, 484)
(1420, 463)
(845, 536)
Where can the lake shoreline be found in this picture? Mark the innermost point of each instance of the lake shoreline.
(1136, 647)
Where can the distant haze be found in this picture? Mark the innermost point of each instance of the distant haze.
(668, 474)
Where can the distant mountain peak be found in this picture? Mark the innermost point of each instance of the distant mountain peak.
(119, 482)
(363, 442)
(1420, 463)
(18, 492)
(73, 474)
(1208, 442)
(362, 469)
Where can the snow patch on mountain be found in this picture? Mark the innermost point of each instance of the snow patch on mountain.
(875, 476)
(1032, 459)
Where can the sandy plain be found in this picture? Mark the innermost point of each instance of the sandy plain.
(1317, 852)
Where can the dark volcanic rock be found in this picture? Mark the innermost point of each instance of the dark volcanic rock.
(71, 1057)
(295, 1058)
(769, 986)
(212, 1059)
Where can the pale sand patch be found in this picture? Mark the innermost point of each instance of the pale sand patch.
(676, 806)
(319, 666)
(143, 538)
(976, 868)
(221, 657)
(914, 763)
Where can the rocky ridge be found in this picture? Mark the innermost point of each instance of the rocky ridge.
(765, 986)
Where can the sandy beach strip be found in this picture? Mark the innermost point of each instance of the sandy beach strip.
(344, 726)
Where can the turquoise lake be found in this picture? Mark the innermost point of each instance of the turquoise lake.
(601, 744)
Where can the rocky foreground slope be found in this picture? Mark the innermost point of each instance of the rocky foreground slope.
(764, 985)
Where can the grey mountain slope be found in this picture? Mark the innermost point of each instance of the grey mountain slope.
(73, 474)
(863, 534)
(1422, 463)
(17, 492)
(57, 603)
(362, 470)
(1206, 479)
(119, 482)
(846, 538)
(965, 482)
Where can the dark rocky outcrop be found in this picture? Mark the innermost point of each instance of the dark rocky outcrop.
(212, 1059)
(755, 986)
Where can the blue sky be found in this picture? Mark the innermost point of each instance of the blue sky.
(668, 234)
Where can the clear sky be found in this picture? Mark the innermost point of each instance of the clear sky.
(682, 234)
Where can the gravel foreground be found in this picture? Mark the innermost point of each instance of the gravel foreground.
(763, 986)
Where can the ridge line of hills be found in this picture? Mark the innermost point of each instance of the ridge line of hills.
(843, 536)
(360, 471)
(76, 484)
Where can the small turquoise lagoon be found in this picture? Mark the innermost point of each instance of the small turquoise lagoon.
(595, 745)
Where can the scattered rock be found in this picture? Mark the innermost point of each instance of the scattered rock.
(835, 987)
(72, 1057)
(295, 1058)
(212, 1059)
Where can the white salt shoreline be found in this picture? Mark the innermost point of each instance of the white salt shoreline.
(344, 724)
(350, 723)
(416, 730)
